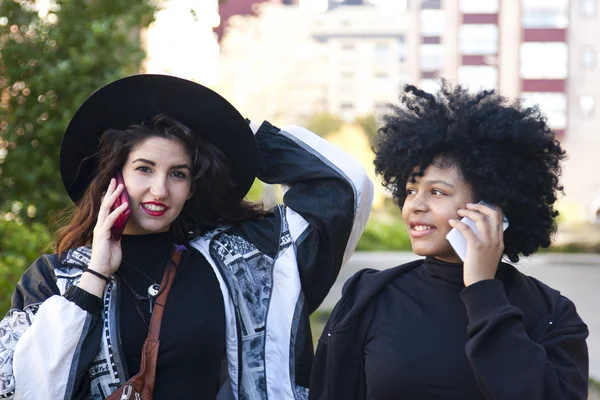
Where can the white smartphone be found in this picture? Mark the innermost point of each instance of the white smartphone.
(457, 239)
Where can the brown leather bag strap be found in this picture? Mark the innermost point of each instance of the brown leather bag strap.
(141, 386)
(161, 300)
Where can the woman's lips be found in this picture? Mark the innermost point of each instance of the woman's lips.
(418, 231)
(155, 209)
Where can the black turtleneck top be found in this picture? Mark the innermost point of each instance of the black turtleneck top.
(192, 337)
(415, 346)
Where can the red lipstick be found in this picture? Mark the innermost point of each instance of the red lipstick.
(155, 208)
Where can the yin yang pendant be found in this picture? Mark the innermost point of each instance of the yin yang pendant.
(152, 293)
(153, 290)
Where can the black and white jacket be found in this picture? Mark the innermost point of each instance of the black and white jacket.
(273, 272)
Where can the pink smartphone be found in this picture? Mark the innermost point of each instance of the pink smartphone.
(119, 225)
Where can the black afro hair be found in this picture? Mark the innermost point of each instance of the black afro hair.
(505, 151)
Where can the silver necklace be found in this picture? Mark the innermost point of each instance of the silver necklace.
(153, 290)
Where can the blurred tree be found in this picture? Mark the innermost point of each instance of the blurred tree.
(51, 59)
(369, 125)
(53, 54)
(20, 245)
(324, 124)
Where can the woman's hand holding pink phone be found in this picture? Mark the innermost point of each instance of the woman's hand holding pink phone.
(478, 239)
(106, 252)
(119, 225)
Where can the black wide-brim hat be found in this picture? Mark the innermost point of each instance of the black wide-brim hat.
(139, 98)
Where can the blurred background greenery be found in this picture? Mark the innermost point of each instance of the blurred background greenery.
(51, 59)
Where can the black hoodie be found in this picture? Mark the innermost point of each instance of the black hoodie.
(512, 311)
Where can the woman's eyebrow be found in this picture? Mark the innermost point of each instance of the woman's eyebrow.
(180, 166)
(144, 161)
(438, 182)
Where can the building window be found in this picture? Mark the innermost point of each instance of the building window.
(586, 105)
(347, 111)
(314, 5)
(588, 8)
(382, 82)
(431, 4)
(544, 60)
(348, 51)
(478, 77)
(348, 46)
(401, 49)
(552, 105)
(382, 51)
(478, 6)
(588, 57)
(429, 85)
(432, 22)
(347, 82)
(478, 39)
(545, 13)
(432, 57)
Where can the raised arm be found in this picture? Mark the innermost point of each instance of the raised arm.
(326, 206)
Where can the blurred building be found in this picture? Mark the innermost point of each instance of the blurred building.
(541, 51)
(517, 47)
(351, 57)
(582, 136)
(270, 67)
(315, 56)
(231, 8)
(366, 46)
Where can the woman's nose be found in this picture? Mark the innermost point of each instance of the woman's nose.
(417, 204)
(159, 188)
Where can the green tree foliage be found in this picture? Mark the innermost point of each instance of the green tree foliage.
(369, 125)
(20, 245)
(385, 231)
(50, 61)
(324, 124)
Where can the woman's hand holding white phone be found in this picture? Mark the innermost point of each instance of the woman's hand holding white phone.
(478, 240)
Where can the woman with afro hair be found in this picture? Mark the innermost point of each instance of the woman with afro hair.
(444, 327)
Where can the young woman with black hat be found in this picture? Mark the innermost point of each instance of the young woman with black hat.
(459, 325)
(240, 281)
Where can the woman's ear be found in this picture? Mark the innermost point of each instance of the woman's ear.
(192, 190)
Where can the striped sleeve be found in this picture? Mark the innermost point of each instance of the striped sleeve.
(327, 204)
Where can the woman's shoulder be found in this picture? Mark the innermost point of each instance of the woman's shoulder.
(362, 289)
(70, 262)
(533, 297)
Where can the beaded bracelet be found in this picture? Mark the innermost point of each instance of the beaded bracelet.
(97, 274)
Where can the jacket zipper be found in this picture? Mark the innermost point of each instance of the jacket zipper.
(119, 351)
